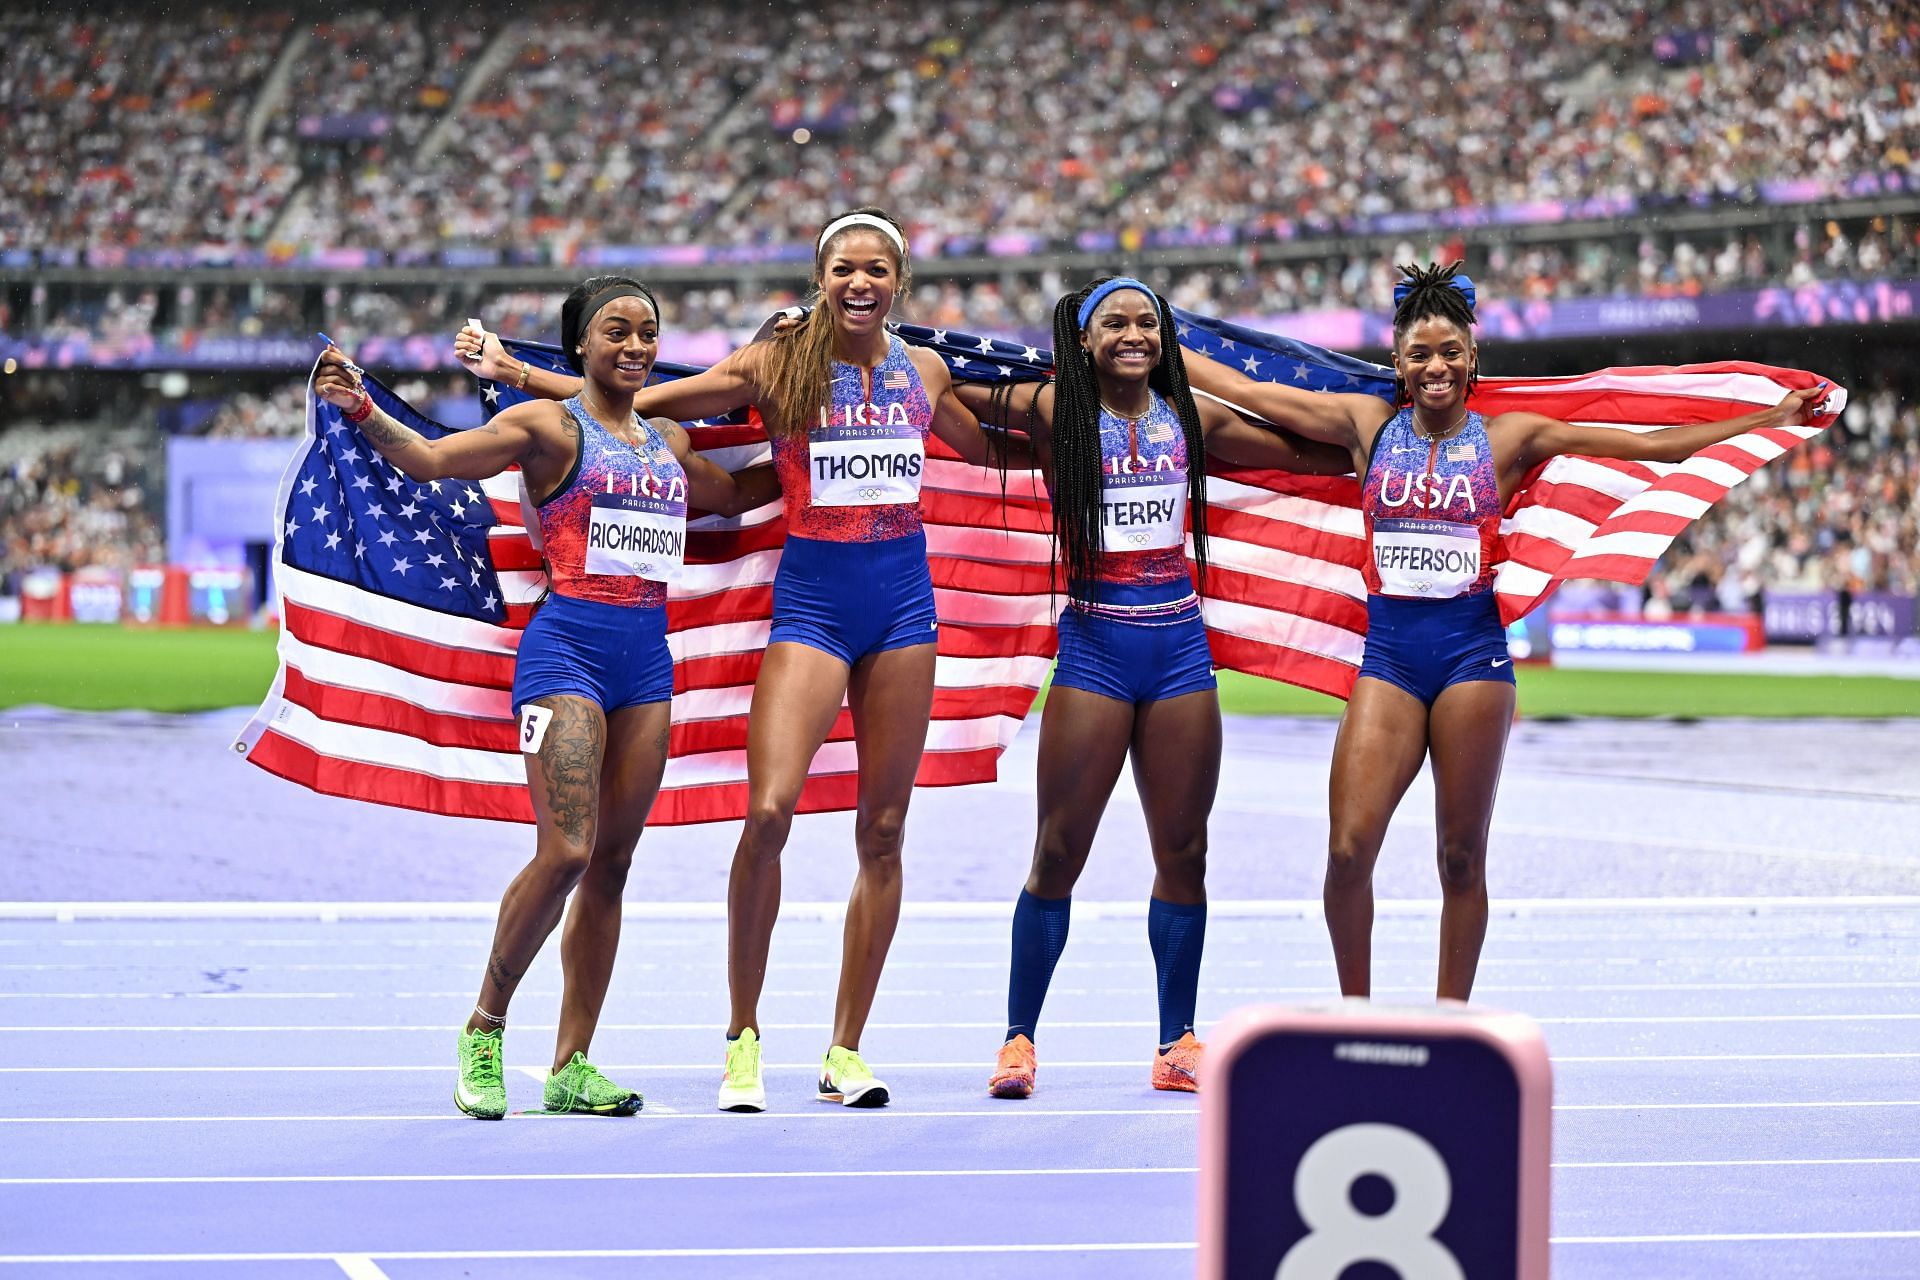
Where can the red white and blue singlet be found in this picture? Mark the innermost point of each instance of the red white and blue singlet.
(854, 476)
(1143, 503)
(1432, 512)
(616, 531)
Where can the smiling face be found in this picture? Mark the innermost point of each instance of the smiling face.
(620, 344)
(1122, 336)
(1435, 358)
(859, 276)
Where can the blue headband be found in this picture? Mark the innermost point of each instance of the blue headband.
(1405, 286)
(1099, 295)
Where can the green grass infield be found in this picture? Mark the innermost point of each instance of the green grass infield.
(101, 668)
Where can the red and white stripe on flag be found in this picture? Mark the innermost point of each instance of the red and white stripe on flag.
(383, 701)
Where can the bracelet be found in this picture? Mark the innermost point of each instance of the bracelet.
(362, 411)
(526, 371)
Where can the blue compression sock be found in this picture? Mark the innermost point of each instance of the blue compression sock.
(1178, 934)
(1039, 936)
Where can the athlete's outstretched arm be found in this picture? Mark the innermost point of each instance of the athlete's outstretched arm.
(495, 365)
(1535, 438)
(1232, 438)
(712, 488)
(957, 423)
(513, 436)
(732, 384)
(1344, 420)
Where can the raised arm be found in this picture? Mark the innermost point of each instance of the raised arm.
(515, 435)
(1524, 440)
(1233, 439)
(712, 488)
(1348, 421)
(486, 357)
(732, 384)
(956, 417)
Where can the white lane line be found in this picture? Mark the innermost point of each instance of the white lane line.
(650, 1176)
(1773, 1105)
(997, 909)
(359, 1266)
(1734, 1164)
(1171, 1109)
(835, 1251)
(492, 1255)
(1273, 993)
(734, 1175)
(1053, 1064)
(1741, 1237)
(306, 1028)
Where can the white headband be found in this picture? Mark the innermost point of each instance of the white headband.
(862, 220)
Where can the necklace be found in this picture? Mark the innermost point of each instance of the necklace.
(628, 433)
(1439, 435)
(1127, 417)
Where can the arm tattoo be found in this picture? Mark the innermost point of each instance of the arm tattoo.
(388, 436)
(570, 759)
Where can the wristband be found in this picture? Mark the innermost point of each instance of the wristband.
(362, 411)
(526, 371)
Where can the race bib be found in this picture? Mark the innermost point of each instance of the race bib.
(634, 536)
(1143, 512)
(875, 471)
(1425, 559)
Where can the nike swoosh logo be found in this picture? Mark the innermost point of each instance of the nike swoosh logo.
(1179, 1070)
(466, 1097)
(1501, 662)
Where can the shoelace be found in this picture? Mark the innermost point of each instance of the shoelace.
(486, 1063)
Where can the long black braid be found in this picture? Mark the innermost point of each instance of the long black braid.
(1432, 295)
(1078, 483)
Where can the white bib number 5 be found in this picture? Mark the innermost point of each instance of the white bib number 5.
(1339, 1235)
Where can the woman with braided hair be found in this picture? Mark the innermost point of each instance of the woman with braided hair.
(1123, 443)
(1436, 681)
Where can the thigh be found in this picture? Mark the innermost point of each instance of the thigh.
(1382, 740)
(890, 694)
(1084, 738)
(563, 773)
(1176, 766)
(796, 699)
(637, 740)
(1469, 727)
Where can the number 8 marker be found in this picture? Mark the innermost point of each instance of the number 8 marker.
(1340, 1235)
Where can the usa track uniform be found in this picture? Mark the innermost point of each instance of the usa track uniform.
(1135, 633)
(613, 534)
(853, 576)
(1432, 512)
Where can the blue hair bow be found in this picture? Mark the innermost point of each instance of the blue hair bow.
(1405, 286)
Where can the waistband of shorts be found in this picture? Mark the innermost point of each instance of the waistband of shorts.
(1154, 604)
(579, 606)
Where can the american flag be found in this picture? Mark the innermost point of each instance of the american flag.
(394, 687)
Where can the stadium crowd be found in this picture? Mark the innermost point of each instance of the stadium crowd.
(68, 503)
(1647, 265)
(1248, 117)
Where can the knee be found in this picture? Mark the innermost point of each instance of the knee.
(565, 861)
(1350, 859)
(1185, 862)
(765, 832)
(1463, 865)
(1056, 863)
(879, 837)
(610, 866)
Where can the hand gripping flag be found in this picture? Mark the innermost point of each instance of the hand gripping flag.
(394, 687)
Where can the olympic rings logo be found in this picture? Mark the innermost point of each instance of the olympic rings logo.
(1139, 539)
(873, 493)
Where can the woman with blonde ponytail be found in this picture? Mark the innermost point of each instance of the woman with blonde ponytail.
(847, 408)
